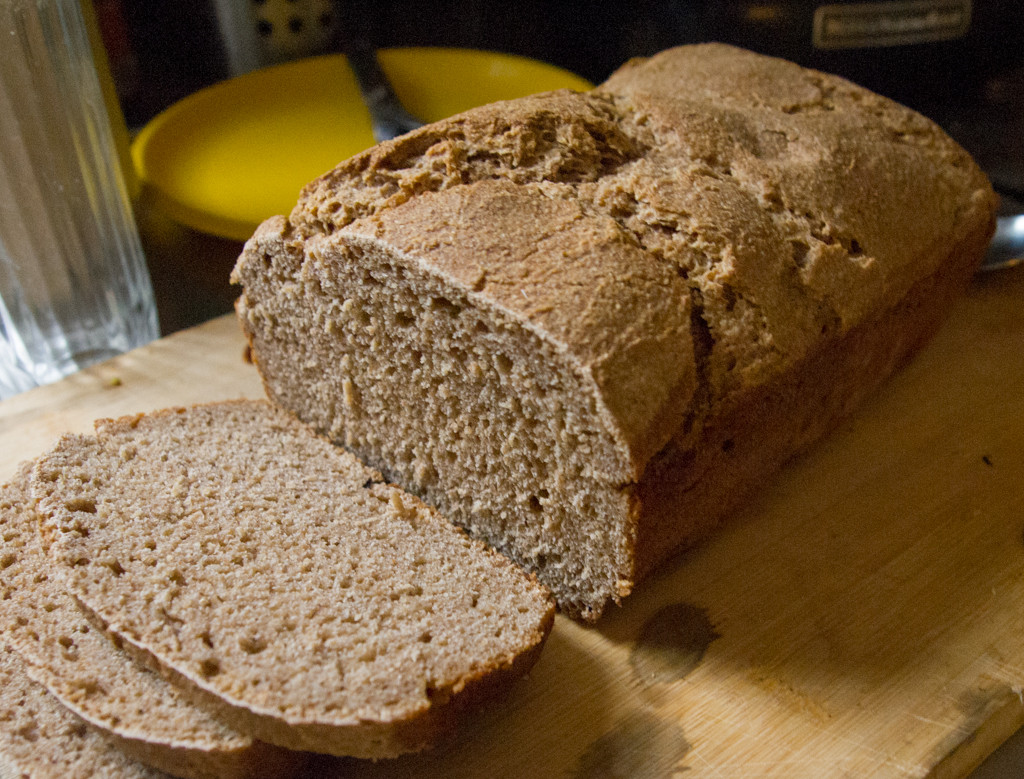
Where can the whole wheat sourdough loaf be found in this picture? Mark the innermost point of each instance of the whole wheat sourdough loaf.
(148, 718)
(583, 325)
(280, 582)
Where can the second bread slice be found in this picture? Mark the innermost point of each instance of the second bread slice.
(280, 582)
(147, 717)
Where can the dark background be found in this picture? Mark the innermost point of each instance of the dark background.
(162, 51)
(177, 47)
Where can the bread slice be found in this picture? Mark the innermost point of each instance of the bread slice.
(39, 738)
(151, 720)
(585, 325)
(281, 582)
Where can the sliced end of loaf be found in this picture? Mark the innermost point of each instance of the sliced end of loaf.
(455, 399)
(281, 583)
(41, 738)
(148, 719)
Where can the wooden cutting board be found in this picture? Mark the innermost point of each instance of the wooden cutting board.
(862, 616)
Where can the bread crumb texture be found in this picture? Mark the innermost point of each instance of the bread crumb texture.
(539, 296)
(280, 580)
(41, 739)
(151, 719)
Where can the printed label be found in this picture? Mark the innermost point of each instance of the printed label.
(896, 23)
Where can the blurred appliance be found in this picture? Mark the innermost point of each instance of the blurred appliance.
(160, 52)
(960, 62)
(255, 34)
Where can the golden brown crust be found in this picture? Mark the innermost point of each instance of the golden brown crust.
(823, 157)
(691, 234)
(754, 183)
(689, 488)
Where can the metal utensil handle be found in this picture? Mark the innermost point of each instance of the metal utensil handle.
(388, 116)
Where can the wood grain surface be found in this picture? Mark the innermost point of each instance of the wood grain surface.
(863, 615)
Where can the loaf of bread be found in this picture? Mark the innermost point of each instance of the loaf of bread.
(147, 717)
(282, 584)
(41, 739)
(584, 325)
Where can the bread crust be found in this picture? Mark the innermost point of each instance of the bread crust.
(689, 239)
(703, 483)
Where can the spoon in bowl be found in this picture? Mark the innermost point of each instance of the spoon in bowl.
(1007, 247)
(388, 117)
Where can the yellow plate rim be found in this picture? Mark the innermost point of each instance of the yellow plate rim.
(153, 140)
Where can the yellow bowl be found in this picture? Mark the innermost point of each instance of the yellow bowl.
(227, 157)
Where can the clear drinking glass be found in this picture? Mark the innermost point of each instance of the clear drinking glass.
(74, 287)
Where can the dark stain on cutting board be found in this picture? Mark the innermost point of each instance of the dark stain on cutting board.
(671, 643)
(976, 708)
(641, 746)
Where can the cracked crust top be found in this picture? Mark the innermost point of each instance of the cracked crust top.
(724, 208)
